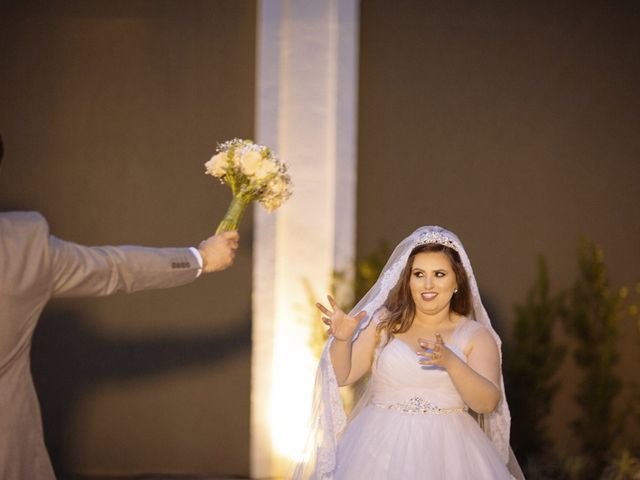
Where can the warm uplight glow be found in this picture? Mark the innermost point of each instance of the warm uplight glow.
(284, 361)
(293, 363)
(292, 385)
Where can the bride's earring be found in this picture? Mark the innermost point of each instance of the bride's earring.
(455, 290)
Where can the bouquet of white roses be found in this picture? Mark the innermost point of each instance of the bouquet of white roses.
(253, 172)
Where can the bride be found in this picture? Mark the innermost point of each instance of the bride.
(423, 338)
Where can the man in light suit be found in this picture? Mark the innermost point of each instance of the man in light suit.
(36, 266)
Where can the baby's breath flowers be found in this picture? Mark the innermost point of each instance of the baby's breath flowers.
(253, 172)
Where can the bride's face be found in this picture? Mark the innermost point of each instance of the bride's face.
(432, 282)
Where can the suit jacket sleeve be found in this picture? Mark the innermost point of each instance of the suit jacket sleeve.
(96, 271)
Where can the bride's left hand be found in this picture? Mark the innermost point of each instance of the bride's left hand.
(435, 353)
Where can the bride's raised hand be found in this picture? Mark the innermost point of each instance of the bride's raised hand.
(341, 325)
(435, 353)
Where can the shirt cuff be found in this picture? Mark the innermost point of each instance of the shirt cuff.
(196, 253)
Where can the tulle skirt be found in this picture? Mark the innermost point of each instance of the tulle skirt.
(388, 444)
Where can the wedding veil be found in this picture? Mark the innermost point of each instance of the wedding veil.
(328, 418)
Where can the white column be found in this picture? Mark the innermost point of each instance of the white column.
(306, 111)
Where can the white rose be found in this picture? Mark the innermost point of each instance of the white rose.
(217, 166)
(250, 162)
(277, 186)
(267, 167)
(271, 203)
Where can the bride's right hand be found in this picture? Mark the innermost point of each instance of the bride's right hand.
(341, 325)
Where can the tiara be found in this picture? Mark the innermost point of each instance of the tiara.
(436, 237)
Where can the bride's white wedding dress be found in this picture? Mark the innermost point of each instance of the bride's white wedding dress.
(416, 425)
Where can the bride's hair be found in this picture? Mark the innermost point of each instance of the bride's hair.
(400, 308)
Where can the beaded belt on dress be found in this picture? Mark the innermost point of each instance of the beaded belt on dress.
(420, 405)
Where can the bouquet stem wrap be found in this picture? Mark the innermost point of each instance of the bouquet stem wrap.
(234, 214)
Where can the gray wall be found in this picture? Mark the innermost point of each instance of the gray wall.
(514, 124)
(108, 110)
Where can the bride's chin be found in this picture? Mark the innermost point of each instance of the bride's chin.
(430, 309)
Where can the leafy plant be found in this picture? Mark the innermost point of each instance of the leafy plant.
(533, 358)
(591, 316)
(623, 467)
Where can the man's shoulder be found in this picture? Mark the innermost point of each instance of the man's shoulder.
(23, 216)
(28, 223)
(24, 258)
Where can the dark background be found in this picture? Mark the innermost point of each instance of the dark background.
(108, 110)
(514, 124)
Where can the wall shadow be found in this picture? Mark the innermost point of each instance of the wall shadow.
(69, 360)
